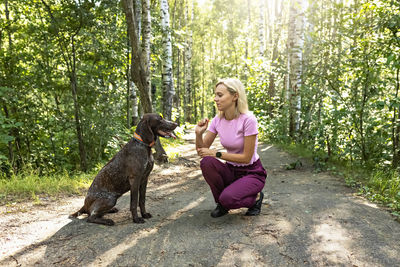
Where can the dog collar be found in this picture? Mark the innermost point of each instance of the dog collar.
(139, 138)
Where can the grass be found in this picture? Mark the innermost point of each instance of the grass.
(378, 185)
(30, 185)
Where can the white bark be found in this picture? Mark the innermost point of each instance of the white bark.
(135, 114)
(137, 5)
(146, 40)
(296, 43)
(168, 84)
(261, 28)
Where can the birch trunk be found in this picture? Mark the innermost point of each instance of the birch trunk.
(168, 85)
(137, 6)
(261, 28)
(146, 40)
(295, 45)
(246, 51)
(188, 68)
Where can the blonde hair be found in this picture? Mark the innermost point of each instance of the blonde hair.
(235, 86)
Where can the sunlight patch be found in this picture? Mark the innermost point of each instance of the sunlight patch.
(265, 149)
(332, 241)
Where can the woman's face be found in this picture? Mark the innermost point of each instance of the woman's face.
(224, 99)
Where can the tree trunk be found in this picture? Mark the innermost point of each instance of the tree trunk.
(129, 120)
(135, 108)
(247, 40)
(74, 91)
(396, 128)
(275, 36)
(10, 45)
(178, 87)
(188, 68)
(296, 41)
(168, 85)
(261, 28)
(139, 73)
(146, 37)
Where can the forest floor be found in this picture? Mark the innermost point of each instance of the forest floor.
(307, 219)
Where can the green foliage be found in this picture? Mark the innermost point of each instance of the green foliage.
(383, 187)
(37, 119)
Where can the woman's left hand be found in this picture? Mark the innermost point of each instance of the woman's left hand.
(204, 152)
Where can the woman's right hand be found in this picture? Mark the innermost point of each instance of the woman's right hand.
(201, 126)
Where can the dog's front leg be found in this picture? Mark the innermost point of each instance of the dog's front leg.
(135, 183)
(142, 198)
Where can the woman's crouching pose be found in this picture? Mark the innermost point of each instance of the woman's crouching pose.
(236, 183)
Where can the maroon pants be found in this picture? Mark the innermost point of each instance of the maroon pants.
(233, 186)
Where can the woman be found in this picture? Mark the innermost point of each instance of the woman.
(236, 183)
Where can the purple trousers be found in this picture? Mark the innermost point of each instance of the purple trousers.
(233, 186)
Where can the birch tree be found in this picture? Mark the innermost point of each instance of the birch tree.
(295, 54)
(145, 29)
(167, 77)
(261, 28)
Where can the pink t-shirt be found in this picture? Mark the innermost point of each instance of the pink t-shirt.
(232, 132)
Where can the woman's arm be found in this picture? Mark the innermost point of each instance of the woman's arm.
(205, 142)
(245, 157)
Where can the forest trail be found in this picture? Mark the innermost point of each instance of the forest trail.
(307, 219)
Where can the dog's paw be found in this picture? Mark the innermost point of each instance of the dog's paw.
(113, 210)
(138, 220)
(146, 215)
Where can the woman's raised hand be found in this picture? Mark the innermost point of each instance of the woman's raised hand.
(201, 126)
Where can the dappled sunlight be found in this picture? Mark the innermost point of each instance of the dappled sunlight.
(112, 254)
(265, 148)
(365, 202)
(331, 241)
(238, 254)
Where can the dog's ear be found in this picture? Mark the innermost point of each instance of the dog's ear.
(148, 135)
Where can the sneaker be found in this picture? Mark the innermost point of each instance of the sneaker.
(219, 211)
(256, 208)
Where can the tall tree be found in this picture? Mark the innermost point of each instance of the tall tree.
(188, 66)
(295, 53)
(139, 72)
(146, 41)
(261, 28)
(167, 77)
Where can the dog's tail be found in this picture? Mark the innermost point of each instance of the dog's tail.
(78, 213)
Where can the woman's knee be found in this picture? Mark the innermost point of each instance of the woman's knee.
(227, 200)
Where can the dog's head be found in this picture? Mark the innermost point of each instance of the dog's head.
(152, 125)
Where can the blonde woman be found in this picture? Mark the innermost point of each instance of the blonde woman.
(237, 182)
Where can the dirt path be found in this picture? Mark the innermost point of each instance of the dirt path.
(307, 220)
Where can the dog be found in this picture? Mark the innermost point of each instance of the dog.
(128, 170)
